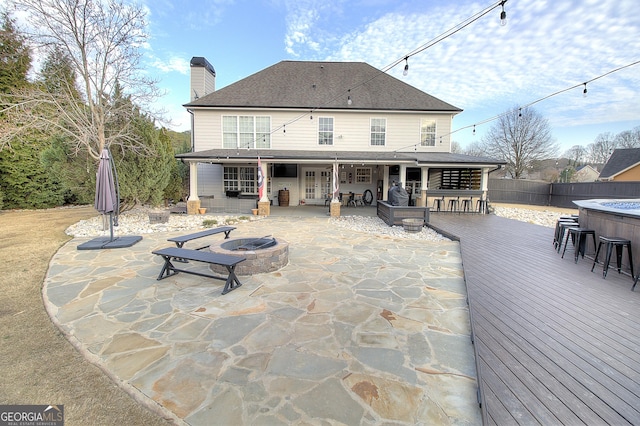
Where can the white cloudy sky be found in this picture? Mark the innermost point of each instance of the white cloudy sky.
(484, 69)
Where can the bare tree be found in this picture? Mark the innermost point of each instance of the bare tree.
(520, 137)
(577, 153)
(628, 138)
(456, 148)
(102, 41)
(476, 149)
(602, 148)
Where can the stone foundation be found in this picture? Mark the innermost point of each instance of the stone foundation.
(335, 208)
(264, 208)
(193, 206)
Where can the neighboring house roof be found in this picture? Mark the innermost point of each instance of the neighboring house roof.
(323, 85)
(620, 161)
(443, 158)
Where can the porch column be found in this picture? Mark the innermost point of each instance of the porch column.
(403, 175)
(385, 183)
(264, 204)
(193, 202)
(484, 185)
(424, 185)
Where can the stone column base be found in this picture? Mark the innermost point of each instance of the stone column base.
(193, 206)
(264, 208)
(335, 209)
(423, 199)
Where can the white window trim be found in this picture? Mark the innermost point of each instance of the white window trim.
(256, 143)
(367, 174)
(435, 132)
(333, 131)
(371, 133)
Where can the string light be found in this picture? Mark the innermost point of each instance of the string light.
(474, 130)
(503, 14)
(519, 112)
(450, 32)
(584, 93)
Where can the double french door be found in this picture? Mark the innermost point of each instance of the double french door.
(317, 184)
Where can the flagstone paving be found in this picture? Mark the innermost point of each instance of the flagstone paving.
(357, 329)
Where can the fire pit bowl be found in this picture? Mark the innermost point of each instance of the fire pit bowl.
(263, 254)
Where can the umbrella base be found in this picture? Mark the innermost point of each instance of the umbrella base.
(109, 243)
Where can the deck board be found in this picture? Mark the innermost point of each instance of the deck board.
(554, 342)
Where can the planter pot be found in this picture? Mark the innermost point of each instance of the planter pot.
(254, 211)
(413, 225)
(202, 210)
(161, 216)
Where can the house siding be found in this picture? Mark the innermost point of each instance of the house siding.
(632, 174)
(296, 130)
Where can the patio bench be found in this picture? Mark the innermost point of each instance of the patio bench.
(207, 232)
(229, 262)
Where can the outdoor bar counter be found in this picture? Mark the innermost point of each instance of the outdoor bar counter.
(613, 218)
(461, 194)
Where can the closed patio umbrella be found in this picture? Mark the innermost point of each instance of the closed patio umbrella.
(107, 202)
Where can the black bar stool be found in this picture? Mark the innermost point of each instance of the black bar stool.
(556, 236)
(579, 238)
(619, 244)
(453, 204)
(438, 203)
(563, 228)
(481, 205)
(466, 204)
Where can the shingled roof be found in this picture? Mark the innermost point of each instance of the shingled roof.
(620, 161)
(323, 85)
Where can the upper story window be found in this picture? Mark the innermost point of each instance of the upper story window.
(427, 132)
(325, 131)
(246, 131)
(378, 131)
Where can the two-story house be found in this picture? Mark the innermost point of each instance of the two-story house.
(301, 118)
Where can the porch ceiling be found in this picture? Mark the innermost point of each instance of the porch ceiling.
(433, 159)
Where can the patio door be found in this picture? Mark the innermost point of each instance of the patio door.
(317, 184)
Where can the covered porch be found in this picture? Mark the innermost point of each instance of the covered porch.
(227, 180)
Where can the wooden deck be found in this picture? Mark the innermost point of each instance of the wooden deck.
(555, 343)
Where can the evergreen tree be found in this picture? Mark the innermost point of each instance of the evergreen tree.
(143, 178)
(26, 181)
(15, 57)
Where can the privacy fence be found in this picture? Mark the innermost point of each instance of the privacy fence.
(541, 193)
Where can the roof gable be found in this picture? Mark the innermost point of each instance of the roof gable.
(620, 160)
(323, 85)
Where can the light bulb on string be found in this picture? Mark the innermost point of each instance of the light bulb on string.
(474, 130)
(349, 101)
(584, 92)
(503, 14)
(406, 66)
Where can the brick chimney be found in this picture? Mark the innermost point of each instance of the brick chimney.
(203, 78)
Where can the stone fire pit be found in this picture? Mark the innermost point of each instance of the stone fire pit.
(264, 254)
